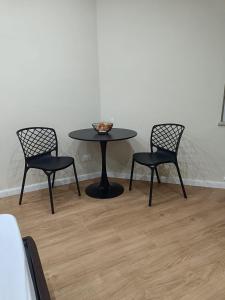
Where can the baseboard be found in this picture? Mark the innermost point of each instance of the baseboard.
(44, 185)
(173, 180)
(68, 180)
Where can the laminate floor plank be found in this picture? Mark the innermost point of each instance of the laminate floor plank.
(121, 249)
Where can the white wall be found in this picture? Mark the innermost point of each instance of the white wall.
(159, 61)
(164, 61)
(48, 76)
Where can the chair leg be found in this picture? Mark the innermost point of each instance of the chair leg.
(157, 175)
(23, 184)
(131, 175)
(151, 187)
(53, 180)
(50, 192)
(75, 174)
(181, 181)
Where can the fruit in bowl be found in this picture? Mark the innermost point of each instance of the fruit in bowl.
(102, 127)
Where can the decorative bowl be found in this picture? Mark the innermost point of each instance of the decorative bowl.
(102, 127)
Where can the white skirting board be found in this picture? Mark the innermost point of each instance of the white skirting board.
(44, 185)
(67, 180)
(173, 180)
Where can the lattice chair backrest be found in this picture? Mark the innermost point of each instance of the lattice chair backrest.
(166, 136)
(37, 140)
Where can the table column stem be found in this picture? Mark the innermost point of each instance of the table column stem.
(104, 183)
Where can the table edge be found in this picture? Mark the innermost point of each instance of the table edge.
(88, 140)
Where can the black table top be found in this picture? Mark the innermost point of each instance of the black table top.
(89, 134)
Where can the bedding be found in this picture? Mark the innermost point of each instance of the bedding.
(15, 277)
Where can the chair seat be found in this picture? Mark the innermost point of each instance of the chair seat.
(154, 158)
(50, 163)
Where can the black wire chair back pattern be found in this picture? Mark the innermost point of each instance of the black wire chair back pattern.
(166, 139)
(166, 136)
(37, 141)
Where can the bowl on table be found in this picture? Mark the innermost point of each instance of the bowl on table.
(102, 127)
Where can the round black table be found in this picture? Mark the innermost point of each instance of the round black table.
(103, 189)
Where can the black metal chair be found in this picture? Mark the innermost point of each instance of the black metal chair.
(165, 138)
(38, 143)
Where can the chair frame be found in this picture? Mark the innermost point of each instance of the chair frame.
(29, 155)
(154, 168)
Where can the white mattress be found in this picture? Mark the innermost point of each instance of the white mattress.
(15, 278)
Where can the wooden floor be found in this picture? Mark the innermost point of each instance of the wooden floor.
(121, 249)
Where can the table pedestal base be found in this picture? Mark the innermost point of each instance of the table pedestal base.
(95, 190)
